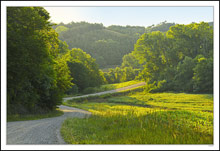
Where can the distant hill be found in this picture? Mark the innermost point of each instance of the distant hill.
(107, 45)
(163, 27)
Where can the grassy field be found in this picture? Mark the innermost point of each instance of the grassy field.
(140, 118)
(18, 117)
(107, 87)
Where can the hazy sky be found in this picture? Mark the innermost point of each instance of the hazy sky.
(140, 16)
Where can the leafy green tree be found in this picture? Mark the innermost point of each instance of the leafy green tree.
(118, 74)
(150, 49)
(183, 78)
(128, 74)
(110, 76)
(203, 75)
(169, 56)
(121, 74)
(129, 60)
(193, 39)
(84, 70)
(33, 75)
(79, 73)
(63, 47)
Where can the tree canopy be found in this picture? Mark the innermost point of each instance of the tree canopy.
(175, 57)
(36, 75)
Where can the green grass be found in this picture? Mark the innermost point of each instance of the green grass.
(118, 85)
(18, 117)
(108, 87)
(139, 118)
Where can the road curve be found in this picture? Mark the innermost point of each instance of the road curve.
(47, 131)
(106, 92)
(43, 131)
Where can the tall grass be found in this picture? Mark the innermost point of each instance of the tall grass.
(107, 87)
(142, 118)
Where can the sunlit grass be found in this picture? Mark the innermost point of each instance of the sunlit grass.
(108, 87)
(139, 118)
(180, 101)
(119, 85)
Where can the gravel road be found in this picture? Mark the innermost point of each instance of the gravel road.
(44, 131)
(106, 92)
(47, 131)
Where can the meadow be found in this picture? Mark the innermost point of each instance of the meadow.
(142, 118)
(106, 87)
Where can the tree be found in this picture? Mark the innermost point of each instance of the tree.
(128, 74)
(79, 73)
(129, 60)
(193, 39)
(84, 70)
(184, 74)
(169, 57)
(33, 75)
(151, 50)
(203, 75)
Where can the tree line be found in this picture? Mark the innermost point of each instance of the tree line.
(180, 59)
(40, 67)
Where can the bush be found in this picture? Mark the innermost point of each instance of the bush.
(72, 90)
(89, 90)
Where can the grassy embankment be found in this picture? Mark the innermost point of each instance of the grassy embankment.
(18, 117)
(106, 87)
(140, 118)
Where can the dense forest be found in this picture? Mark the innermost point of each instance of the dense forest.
(179, 60)
(106, 44)
(40, 67)
(46, 61)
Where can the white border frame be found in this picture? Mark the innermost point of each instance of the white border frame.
(215, 4)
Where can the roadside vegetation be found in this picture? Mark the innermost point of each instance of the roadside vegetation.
(105, 87)
(46, 61)
(26, 117)
(108, 87)
(140, 118)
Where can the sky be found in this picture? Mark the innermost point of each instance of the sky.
(134, 16)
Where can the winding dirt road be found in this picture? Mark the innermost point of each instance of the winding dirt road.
(47, 131)
(43, 131)
(106, 92)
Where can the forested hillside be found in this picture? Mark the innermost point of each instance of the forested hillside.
(163, 27)
(106, 44)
